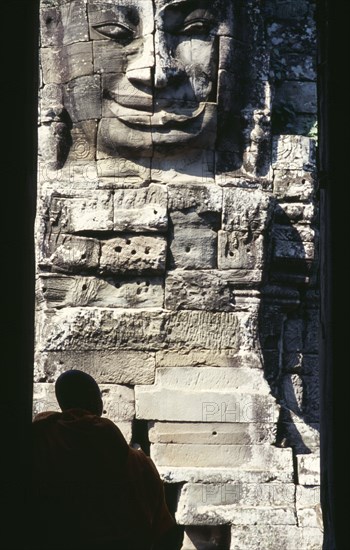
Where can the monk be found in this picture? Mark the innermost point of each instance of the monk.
(91, 490)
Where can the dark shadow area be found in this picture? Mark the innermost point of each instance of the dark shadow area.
(19, 84)
(332, 157)
(209, 537)
(288, 320)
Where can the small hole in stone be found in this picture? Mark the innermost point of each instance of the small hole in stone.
(138, 291)
(118, 249)
(48, 20)
(84, 287)
(146, 289)
(104, 412)
(117, 285)
(138, 282)
(215, 433)
(147, 283)
(128, 241)
(248, 249)
(147, 249)
(155, 211)
(44, 289)
(188, 248)
(133, 252)
(83, 256)
(231, 253)
(303, 181)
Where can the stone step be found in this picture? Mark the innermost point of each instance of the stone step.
(244, 457)
(212, 433)
(204, 406)
(240, 379)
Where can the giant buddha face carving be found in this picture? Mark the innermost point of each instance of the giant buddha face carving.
(158, 63)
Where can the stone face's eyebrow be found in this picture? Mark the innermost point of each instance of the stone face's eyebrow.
(101, 13)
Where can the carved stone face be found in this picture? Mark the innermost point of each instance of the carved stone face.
(159, 63)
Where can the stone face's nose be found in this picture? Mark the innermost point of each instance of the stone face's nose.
(154, 64)
(140, 67)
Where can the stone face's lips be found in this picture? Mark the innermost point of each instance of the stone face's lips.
(160, 118)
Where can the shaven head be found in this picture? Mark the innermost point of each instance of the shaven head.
(77, 390)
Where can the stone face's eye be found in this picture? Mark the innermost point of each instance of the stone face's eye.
(196, 27)
(115, 31)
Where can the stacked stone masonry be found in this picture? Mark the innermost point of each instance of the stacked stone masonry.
(177, 248)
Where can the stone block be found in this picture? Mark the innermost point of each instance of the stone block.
(293, 251)
(293, 184)
(193, 247)
(254, 515)
(211, 358)
(308, 469)
(310, 364)
(188, 169)
(133, 254)
(83, 149)
(44, 398)
(97, 16)
(82, 98)
(288, 9)
(63, 291)
(240, 250)
(292, 392)
(195, 197)
(307, 497)
(60, 65)
(51, 31)
(292, 37)
(88, 213)
(295, 213)
(111, 367)
(108, 56)
(163, 404)
(212, 330)
(76, 254)
(210, 290)
(234, 496)
(118, 172)
(241, 379)
(294, 66)
(120, 91)
(301, 436)
(104, 328)
(293, 153)
(245, 210)
(141, 210)
(293, 335)
(275, 537)
(311, 398)
(213, 433)
(308, 506)
(224, 456)
(190, 474)
(91, 329)
(118, 401)
(74, 22)
(111, 132)
(301, 97)
(312, 331)
(206, 537)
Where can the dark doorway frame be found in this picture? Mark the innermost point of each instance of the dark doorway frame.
(19, 113)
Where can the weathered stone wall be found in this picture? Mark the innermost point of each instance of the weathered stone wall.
(177, 239)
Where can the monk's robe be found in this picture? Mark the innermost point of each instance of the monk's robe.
(90, 489)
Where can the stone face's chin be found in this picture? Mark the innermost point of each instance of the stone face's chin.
(139, 132)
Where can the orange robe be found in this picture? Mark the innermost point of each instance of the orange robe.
(90, 489)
